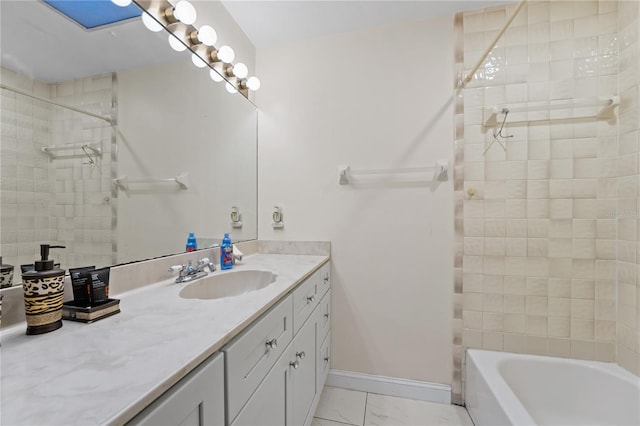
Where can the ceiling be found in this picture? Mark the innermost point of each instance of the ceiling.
(272, 22)
(40, 43)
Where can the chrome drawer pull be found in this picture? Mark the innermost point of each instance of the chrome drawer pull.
(300, 354)
(273, 343)
(310, 299)
(295, 364)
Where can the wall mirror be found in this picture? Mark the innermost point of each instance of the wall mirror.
(180, 156)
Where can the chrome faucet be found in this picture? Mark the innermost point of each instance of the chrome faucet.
(189, 273)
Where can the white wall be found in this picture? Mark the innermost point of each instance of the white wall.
(372, 99)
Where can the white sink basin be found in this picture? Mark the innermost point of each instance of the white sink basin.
(227, 284)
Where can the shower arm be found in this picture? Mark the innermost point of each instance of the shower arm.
(462, 84)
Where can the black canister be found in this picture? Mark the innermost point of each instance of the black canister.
(43, 294)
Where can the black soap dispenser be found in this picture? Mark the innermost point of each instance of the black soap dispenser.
(43, 294)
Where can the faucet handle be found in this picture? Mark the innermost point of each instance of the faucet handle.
(203, 261)
(176, 268)
(190, 269)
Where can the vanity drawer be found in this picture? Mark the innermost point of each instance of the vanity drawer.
(324, 317)
(325, 279)
(305, 299)
(250, 356)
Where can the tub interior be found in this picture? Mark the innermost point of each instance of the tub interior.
(564, 393)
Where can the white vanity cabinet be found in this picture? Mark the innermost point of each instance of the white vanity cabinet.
(291, 389)
(304, 370)
(196, 400)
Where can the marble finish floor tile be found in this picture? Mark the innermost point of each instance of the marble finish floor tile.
(341, 405)
(322, 422)
(384, 410)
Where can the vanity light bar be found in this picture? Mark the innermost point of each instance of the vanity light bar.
(163, 14)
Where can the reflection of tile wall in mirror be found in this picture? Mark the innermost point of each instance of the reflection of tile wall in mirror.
(63, 199)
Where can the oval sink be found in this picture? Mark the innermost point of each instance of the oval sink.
(227, 284)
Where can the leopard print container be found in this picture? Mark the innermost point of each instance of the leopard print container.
(43, 297)
(6, 275)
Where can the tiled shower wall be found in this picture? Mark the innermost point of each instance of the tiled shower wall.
(81, 207)
(25, 188)
(575, 293)
(63, 200)
(628, 320)
(536, 211)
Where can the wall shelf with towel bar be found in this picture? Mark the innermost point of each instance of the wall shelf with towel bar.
(52, 149)
(436, 172)
(124, 181)
(567, 109)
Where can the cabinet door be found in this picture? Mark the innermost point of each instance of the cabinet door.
(323, 362)
(271, 403)
(304, 371)
(197, 399)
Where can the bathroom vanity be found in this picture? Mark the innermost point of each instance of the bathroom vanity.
(260, 357)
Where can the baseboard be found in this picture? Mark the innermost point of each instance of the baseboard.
(391, 386)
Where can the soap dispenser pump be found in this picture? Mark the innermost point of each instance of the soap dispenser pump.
(43, 294)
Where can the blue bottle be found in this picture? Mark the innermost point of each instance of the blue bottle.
(226, 253)
(192, 244)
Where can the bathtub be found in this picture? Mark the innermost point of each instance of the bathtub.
(512, 389)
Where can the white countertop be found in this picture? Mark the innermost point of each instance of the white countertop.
(108, 371)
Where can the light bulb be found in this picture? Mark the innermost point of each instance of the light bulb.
(176, 44)
(240, 70)
(207, 35)
(231, 88)
(198, 61)
(121, 3)
(185, 12)
(150, 23)
(253, 83)
(226, 54)
(213, 74)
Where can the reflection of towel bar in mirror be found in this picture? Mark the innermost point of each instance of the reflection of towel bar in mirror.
(124, 181)
(439, 171)
(595, 107)
(50, 150)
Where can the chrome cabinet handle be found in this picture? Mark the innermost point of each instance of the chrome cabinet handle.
(326, 315)
(326, 359)
(310, 299)
(300, 355)
(326, 278)
(295, 364)
(273, 343)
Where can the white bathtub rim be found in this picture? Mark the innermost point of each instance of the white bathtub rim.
(488, 364)
(487, 368)
(608, 367)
